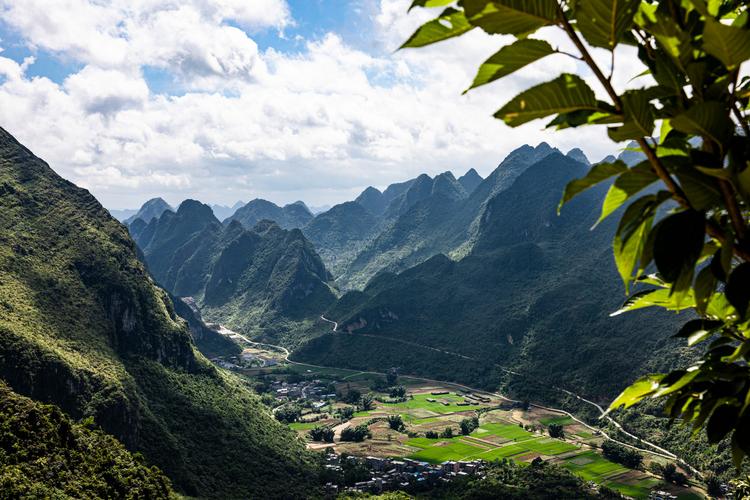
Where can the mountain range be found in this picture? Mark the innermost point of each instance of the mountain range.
(261, 280)
(532, 295)
(483, 267)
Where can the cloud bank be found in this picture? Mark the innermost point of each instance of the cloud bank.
(176, 99)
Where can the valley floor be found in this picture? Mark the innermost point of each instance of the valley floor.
(507, 429)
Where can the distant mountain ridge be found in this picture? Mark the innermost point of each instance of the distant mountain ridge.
(533, 295)
(292, 216)
(262, 280)
(432, 216)
(222, 212)
(152, 209)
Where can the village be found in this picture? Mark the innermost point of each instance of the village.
(399, 432)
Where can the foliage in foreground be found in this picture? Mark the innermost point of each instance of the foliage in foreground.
(692, 222)
(43, 454)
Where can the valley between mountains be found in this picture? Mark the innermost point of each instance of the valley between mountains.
(432, 321)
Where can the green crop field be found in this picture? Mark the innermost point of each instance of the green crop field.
(592, 467)
(508, 431)
(445, 449)
(562, 420)
(420, 408)
(549, 446)
(303, 426)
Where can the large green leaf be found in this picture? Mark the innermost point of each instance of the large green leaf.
(510, 17)
(678, 243)
(738, 288)
(708, 119)
(628, 251)
(511, 58)
(625, 186)
(564, 94)
(728, 44)
(638, 117)
(449, 24)
(430, 3)
(639, 390)
(656, 298)
(604, 22)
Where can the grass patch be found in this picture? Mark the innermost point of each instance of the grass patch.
(303, 426)
(596, 467)
(630, 490)
(444, 450)
(562, 420)
(507, 431)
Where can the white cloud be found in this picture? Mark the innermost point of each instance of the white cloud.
(320, 124)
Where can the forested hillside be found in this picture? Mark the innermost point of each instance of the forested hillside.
(83, 327)
(265, 281)
(529, 297)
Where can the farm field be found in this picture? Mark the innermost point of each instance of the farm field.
(505, 431)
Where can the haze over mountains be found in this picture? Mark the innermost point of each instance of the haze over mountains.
(463, 279)
(484, 266)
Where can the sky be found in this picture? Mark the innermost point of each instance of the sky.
(226, 100)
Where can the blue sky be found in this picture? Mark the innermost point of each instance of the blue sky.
(225, 100)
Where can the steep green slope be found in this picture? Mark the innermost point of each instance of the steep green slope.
(294, 215)
(266, 281)
(82, 326)
(43, 454)
(340, 233)
(533, 296)
(435, 216)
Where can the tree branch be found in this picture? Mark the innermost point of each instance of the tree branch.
(677, 193)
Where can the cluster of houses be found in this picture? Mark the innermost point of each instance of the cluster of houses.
(662, 495)
(313, 390)
(246, 359)
(404, 474)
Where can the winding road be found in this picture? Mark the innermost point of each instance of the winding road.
(655, 449)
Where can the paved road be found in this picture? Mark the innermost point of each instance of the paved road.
(656, 450)
(335, 325)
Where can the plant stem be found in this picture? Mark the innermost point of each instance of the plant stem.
(712, 229)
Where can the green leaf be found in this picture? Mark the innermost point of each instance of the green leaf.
(668, 388)
(564, 94)
(450, 23)
(509, 59)
(628, 251)
(702, 191)
(430, 3)
(709, 119)
(624, 187)
(640, 389)
(695, 326)
(678, 243)
(638, 117)
(705, 284)
(738, 288)
(728, 44)
(510, 17)
(721, 422)
(656, 298)
(604, 22)
(597, 174)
